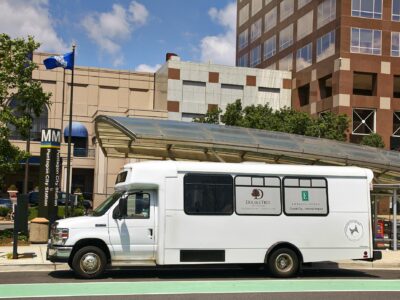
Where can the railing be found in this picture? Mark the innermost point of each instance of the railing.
(84, 152)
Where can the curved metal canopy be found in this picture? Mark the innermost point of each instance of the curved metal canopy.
(165, 139)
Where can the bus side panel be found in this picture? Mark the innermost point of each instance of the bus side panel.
(246, 239)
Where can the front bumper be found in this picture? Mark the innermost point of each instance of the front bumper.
(58, 253)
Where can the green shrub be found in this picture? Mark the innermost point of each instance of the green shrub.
(75, 213)
(4, 211)
(32, 212)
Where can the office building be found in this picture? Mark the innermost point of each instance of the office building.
(344, 57)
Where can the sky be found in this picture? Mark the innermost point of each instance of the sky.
(126, 34)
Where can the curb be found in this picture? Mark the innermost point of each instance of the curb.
(34, 267)
(315, 266)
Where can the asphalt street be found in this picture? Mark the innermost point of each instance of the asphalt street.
(203, 284)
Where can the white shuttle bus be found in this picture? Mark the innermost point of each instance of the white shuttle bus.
(192, 213)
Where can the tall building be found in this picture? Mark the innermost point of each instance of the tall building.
(344, 57)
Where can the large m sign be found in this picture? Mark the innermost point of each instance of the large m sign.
(49, 173)
(51, 136)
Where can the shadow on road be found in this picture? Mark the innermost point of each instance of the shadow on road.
(144, 274)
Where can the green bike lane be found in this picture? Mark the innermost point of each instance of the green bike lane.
(196, 287)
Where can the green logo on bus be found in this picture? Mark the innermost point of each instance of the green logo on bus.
(304, 195)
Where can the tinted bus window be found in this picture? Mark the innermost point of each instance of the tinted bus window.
(121, 177)
(207, 194)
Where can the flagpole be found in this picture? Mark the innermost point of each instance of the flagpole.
(62, 105)
(68, 191)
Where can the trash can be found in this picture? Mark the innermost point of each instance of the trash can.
(39, 231)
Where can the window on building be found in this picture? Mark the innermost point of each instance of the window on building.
(255, 31)
(326, 12)
(367, 9)
(302, 3)
(270, 20)
(366, 41)
(257, 195)
(325, 86)
(286, 9)
(304, 94)
(286, 63)
(256, 6)
(286, 37)
(270, 47)
(38, 123)
(305, 196)
(364, 84)
(396, 10)
(326, 46)
(243, 14)
(396, 123)
(230, 93)
(304, 57)
(396, 86)
(395, 138)
(255, 56)
(208, 194)
(363, 121)
(395, 44)
(243, 39)
(244, 60)
(194, 92)
(305, 25)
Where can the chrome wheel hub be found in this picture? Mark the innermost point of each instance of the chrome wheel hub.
(284, 262)
(90, 263)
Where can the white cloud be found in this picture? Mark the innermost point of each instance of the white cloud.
(19, 18)
(221, 49)
(147, 68)
(139, 13)
(109, 29)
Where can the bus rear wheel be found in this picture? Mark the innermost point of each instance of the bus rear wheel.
(283, 263)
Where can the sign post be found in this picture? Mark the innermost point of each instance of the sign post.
(49, 173)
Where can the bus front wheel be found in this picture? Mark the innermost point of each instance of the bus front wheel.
(283, 263)
(89, 262)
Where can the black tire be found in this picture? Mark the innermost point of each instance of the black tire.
(283, 263)
(89, 262)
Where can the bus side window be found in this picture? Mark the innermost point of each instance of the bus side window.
(138, 206)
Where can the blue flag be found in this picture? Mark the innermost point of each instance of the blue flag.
(65, 61)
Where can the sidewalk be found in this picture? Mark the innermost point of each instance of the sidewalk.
(33, 258)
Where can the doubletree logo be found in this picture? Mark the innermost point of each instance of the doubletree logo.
(257, 194)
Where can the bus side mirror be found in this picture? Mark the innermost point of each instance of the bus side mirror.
(121, 209)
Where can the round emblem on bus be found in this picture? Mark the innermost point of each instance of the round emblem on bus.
(257, 194)
(353, 230)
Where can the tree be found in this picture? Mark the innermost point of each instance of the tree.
(329, 125)
(211, 117)
(373, 140)
(16, 82)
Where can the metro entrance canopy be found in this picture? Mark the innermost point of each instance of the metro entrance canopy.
(165, 139)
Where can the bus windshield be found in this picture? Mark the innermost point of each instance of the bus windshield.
(105, 206)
